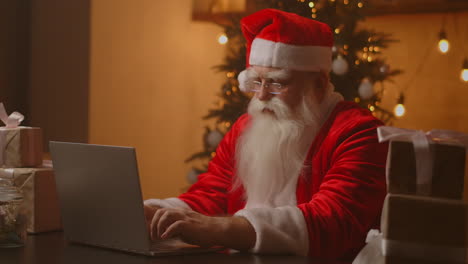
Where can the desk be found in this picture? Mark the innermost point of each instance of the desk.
(51, 248)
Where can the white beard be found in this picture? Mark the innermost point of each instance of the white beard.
(270, 153)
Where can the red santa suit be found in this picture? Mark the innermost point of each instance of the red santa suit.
(338, 197)
(328, 209)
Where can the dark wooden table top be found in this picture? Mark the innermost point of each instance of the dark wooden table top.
(51, 248)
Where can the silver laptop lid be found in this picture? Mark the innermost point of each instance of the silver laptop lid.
(99, 195)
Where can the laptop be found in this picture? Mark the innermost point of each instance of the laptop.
(101, 202)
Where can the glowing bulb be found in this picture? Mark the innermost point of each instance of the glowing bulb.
(399, 110)
(311, 4)
(345, 2)
(314, 16)
(360, 4)
(464, 72)
(337, 31)
(444, 45)
(464, 75)
(222, 39)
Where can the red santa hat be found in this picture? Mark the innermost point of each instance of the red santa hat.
(285, 40)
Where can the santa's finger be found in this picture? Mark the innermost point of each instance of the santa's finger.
(167, 219)
(154, 223)
(174, 230)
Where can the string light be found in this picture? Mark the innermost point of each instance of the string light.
(230, 74)
(345, 2)
(464, 72)
(399, 109)
(311, 4)
(444, 45)
(337, 31)
(360, 4)
(371, 108)
(314, 15)
(222, 39)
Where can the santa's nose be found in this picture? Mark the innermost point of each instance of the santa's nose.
(263, 94)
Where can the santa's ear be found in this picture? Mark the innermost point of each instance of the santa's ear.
(321, 84)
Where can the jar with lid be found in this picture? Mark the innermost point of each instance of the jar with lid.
(12, 216)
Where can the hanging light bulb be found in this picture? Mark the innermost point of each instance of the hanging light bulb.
(444, 45)
(222, 39)
(399, 109)
(464, 72)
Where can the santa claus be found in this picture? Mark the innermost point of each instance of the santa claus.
(302, 172)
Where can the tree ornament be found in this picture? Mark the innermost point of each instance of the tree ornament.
(192, 176)
(334, 49)
(213, 138)
(384, 69)
(340, 66)
(366, 89)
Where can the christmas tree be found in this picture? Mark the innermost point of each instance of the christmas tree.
(356, 70)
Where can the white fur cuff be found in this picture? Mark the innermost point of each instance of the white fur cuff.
(279, 230)
(167, 203)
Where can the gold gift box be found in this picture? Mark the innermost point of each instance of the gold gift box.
(22, 147)
(39, 197)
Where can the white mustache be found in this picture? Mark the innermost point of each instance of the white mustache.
(277, 106)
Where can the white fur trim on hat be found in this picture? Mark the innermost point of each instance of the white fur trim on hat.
(293, 57)
(243, 80)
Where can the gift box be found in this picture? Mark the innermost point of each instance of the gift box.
(424, 228)
(19, 146)
(448, 170)
(39, 197)
(418, 229)
(428, 164)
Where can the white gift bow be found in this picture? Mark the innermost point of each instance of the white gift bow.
(11, 121)
(423, 154)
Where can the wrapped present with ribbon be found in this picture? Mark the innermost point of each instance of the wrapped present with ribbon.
(418, 229)
(37, 186)
(20, 146)
(428, 164)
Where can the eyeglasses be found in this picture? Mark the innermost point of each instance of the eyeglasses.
(273, 87)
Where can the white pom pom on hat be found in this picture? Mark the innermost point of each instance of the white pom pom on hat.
(285, 40)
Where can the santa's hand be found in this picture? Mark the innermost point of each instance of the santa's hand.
(190, 226)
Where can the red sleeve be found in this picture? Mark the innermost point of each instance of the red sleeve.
(350, 197)
(210, 193)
